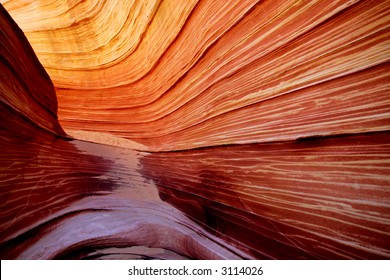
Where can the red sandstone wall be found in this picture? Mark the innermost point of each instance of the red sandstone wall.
(178, 75)
(73, 199)
(286, 101)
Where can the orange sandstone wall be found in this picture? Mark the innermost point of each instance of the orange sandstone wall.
(264, 127)
(73, 199)
(27, 94)
(182, 74)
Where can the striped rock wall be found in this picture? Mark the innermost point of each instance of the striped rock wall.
(246, 129)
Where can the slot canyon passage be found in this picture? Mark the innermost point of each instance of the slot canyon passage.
(194, 129)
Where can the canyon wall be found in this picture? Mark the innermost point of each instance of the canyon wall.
(246, 129)
(63, 198)
(178, 75)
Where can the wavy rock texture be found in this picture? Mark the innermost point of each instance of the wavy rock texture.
(72, 199)
(177, 75)
(248, 129)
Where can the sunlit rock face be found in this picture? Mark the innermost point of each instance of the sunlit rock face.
(246, 129)
(182, 74)
(73, 199)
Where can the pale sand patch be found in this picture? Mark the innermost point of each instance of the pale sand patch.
(106, 139)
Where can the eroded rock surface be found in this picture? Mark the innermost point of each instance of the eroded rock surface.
(227, 129)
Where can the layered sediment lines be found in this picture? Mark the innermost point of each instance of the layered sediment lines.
(246, 129)
(178, 75)
(314, 198)
(73, 199)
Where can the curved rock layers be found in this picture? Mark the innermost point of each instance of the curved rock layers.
(314, 198)
(72, 199)
(247, 129)
(27, 95)
(177, 75)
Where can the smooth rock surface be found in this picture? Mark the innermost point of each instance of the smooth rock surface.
(222, 129)
(175, 75)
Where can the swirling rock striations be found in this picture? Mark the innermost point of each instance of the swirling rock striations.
(177, 75)
(315, 198)
(72, 199)
(27, 95)
(247, 129)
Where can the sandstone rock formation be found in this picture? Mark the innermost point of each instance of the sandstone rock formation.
(246, 129)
